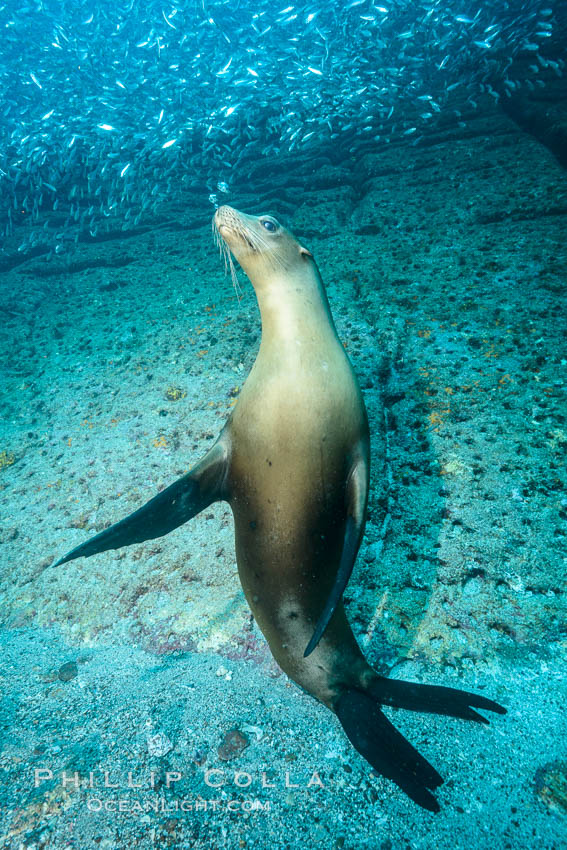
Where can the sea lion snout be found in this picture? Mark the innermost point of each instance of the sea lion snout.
(225, 219)
(223, 214)
(237, 230)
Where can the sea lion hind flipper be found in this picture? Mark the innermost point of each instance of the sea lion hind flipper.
(390, 754)
(175, 505)
(356, 492)
(432, 699)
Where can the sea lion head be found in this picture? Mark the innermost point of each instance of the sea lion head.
(259, 242)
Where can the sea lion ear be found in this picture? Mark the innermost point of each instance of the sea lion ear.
(305, 253)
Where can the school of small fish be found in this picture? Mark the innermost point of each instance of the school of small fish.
(108, 108)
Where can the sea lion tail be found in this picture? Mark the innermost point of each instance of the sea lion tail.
(390, 754)
(175, 505)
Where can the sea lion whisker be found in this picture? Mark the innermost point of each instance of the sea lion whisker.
(226, 255)
(235, 283)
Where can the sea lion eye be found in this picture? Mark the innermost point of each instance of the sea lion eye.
(269, 225)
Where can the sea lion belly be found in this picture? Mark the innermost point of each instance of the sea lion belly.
(293, 431)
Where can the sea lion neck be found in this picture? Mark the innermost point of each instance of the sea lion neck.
(294, 309)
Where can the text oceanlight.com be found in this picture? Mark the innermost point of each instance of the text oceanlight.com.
(160, 805)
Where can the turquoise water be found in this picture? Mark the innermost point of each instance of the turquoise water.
(417, 151)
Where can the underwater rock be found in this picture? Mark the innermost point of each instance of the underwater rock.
(233, 743)
(68, 671)
(174, 393)
(551, 786)
(159, 744)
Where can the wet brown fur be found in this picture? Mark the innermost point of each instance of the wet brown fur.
(299, 423)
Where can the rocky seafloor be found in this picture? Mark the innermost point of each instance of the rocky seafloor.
(445, 265)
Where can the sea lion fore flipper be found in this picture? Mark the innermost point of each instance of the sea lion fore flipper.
(390, 754)
(356, 495)
(178, 503)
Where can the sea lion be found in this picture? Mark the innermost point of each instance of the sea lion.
(293, 463)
